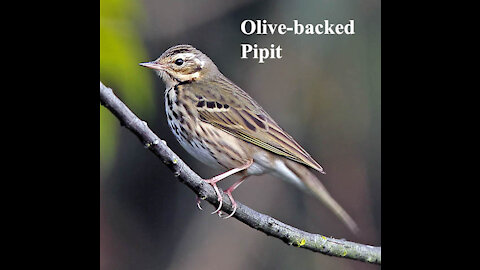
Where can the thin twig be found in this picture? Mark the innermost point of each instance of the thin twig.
(259, 221)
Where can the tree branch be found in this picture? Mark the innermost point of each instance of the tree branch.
(261, 222)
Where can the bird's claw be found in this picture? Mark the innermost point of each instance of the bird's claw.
(219, 196)
(234, 204)
(219, 205)
(198, 204)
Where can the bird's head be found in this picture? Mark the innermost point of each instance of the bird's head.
(182, 63)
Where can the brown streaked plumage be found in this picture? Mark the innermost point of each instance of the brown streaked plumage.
(221, 125)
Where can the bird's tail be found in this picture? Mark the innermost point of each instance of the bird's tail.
(313, 184)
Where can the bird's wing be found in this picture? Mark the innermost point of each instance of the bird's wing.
(236, 113)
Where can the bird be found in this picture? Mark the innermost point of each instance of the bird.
(219, 124)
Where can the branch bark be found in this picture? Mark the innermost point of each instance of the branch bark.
(270, 226)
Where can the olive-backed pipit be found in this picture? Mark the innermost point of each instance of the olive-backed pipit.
(222, 126)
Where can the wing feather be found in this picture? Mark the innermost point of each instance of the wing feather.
(239, 115)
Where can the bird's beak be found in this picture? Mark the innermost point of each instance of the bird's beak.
(152, 65)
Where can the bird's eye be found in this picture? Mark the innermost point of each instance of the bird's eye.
(179, 62)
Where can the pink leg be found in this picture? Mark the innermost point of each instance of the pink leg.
(229, 194)
(213, 181)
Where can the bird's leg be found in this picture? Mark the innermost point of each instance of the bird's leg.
(213, 181)
(229, 190)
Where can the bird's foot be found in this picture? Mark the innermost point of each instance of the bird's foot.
(234, 204)
(213, 182)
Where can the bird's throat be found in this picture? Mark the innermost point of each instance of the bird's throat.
(172, 80)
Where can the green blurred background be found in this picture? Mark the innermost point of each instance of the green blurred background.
(325, 92)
